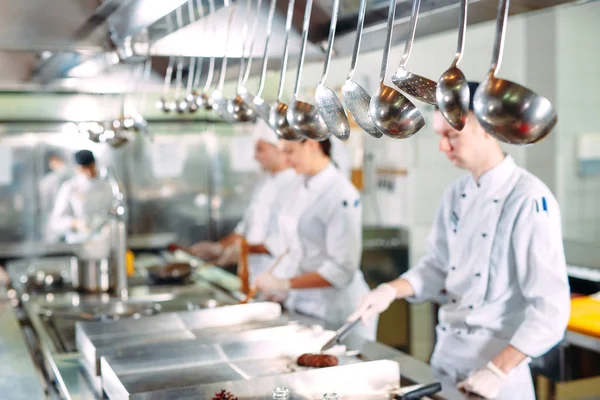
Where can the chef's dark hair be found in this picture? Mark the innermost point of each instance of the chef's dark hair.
(325, 146)
(84, 158)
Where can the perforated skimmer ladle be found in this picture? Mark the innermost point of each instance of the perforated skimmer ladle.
(219, 100)
(356, 98)
(508, 111)
(452, 92)
(278, 114)
(304, 118)
(328, 104)
(391, 112)
(257, 103)
(237, 109)
(415, 85)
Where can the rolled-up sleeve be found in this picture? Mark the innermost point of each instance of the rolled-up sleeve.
(428, 277)
(343, 243)
(542, 276)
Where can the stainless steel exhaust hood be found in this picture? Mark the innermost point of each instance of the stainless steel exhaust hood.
(50, 38)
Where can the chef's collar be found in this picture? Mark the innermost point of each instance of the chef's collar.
(321, 179)
(498, 175)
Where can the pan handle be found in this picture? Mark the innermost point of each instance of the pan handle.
(426, 390)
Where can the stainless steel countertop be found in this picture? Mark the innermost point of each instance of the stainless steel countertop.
(19, 378)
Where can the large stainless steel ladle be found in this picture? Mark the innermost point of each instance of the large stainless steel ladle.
(391, 112)
(356, 98)
(452, 93)
(236, 107)
(417, 86)
(219, 100)
(304, 118)
(278, 114)
(328, 104)
(508, 111)
(257, 103)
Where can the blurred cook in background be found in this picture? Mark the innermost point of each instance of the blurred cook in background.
(59, 172)
(260, 216)
(82, 203)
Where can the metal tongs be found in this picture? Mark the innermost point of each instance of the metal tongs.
(417, 391)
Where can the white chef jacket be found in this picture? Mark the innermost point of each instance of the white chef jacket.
(81, 198)
(496, 249)
(260, 218)
(323, 217)
(49, 187)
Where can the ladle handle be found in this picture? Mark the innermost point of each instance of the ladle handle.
(305, 26)
(168, 75)
(462, 28)
(286, 47)
(224, 62)
(388, 39)
(359, 29)
(247, 38)
(179, 78)
(501, 19)
(200, 61)
(263, 72)
(332, 26)
(253, 35)
(414, 16)
(211, 65)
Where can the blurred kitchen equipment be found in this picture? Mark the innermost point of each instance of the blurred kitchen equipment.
(417, 86)
(329, 105)
(203, 99)
(356, 98)
(173, 273)
(508, 111)
(417, 391)
(43, 281)
(250, 295)
(452, 92)
(391, 112)
(179, 100)
(236, 107)
(340, 334)
(92, 276)
(304, 118)
(219, 101)
(257, 103)
(278, 114)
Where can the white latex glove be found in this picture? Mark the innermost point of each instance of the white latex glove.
(229, 256)
(485, 382)
(267, 283)
(374, 303)
(207, 250)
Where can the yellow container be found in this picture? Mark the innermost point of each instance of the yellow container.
(130, 262)
(585, 316)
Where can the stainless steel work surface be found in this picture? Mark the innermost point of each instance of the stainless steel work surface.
(181, 354)
(132, 346)
(365, 380)
(19, 379)
(90, 337)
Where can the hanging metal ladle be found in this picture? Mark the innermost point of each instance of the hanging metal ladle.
(452, 92)
(356, 98)
(278, 114)
(257, 103)
(508, 111)
(219, 101)
(391, 112)
(236, 107)
(415, 85)
(203, 99)
(304, 118)
(328, 104)
(164, 103)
